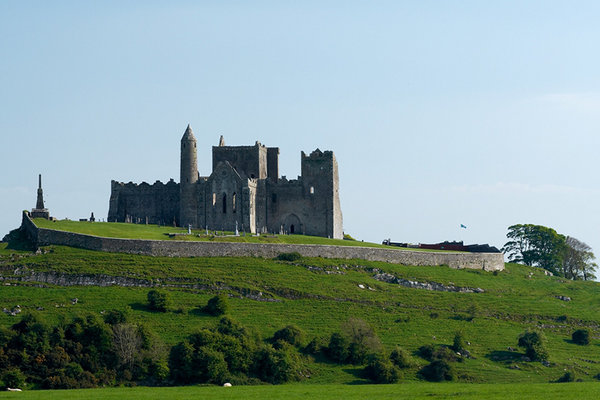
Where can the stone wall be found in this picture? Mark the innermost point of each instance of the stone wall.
(43, 237)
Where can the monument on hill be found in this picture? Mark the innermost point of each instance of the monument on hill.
(243, 190)
(40, 211)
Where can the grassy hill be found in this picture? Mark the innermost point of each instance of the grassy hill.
(317, 295)
(154, 232)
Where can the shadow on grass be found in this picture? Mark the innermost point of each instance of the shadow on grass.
(504, 356)
(199, 312)
(356, 372)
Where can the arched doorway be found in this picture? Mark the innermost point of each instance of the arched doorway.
(292, 224)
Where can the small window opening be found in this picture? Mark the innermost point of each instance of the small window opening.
(224, 203)
(292, 229)
(233, 205)
(312, 190)
(214, 199)
(274, 197)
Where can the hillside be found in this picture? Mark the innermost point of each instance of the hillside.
(317, 295)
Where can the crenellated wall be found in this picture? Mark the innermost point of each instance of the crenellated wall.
(44, 237)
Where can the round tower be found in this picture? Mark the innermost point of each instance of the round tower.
(188, 210)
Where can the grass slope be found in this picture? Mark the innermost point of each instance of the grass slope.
(319, 294)
(142, 231)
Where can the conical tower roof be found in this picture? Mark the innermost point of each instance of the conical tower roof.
(188, 135)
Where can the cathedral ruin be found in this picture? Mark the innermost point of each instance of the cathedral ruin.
(243, 192)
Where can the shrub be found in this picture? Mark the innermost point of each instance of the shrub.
(444, 353)
(581, 336)
(400, 358)
(293, 256)
(315, 346)
(459, 342)
(158, 300)
(362, 340)
(426, 351)
(437, 371)
(533, 342)
(217, 306)
(13, 378)
(290, 334)
(381, 370)
(337, 349)
(278, 366)
(211, 365)
(567, 377)
(114, 317)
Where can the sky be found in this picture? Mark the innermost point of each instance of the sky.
(439, 113)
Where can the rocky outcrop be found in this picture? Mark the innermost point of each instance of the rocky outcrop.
(389, 278)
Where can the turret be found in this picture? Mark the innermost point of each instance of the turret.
(189, 177)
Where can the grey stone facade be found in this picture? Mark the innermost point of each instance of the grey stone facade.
(243, 190)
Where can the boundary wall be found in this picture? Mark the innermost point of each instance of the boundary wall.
(173, 248)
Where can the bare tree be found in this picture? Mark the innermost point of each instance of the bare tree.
(126, 343)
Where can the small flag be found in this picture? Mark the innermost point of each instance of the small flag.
(463, 226)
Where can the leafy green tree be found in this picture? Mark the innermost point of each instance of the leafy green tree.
(13, 378)
(217, 305)
(535, 245)
(158, 300)
(581, 336)
(437, 371)
(459, 342)
(290, 334)
(534, 344)
(381, 370)
(337, 349)
(362, 340)
(401, 358)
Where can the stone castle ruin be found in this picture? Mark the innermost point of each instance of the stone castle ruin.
(244, 192)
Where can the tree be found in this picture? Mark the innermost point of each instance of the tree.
(578, 260)
(362, 339)
(381, 370)
(158, 301)
(535, 245)
(217, 306)
(534, 344)
(126, 343)
(290, 334)
(581, 336)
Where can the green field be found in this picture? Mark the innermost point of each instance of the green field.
(153, 232)
(319, 294)
(411, 391)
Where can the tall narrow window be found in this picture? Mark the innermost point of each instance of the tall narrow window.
(233, 203)
(312, 190)
(224, 203)
(214, 199)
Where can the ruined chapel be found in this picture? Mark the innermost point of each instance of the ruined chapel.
(244, 191)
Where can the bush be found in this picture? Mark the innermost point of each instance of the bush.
(158, 300)
(315, 346)
(290, 334)
(534, 344)
(293, 256)
(458, 344)
(581, 336)
(337, 349)
(400, 358)
(13, 378)
(426, 351)
(278, 366)
(115, 317)
(437, 371)
(567, 377)
(362, 340)
(381, 370)
(217, 306)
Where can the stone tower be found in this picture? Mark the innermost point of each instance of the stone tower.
(40, 211)
(188, 210)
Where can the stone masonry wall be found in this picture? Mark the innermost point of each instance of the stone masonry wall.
(44, 237)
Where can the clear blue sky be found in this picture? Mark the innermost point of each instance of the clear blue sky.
(439, 113)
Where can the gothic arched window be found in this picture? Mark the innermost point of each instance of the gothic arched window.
(224, 203)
